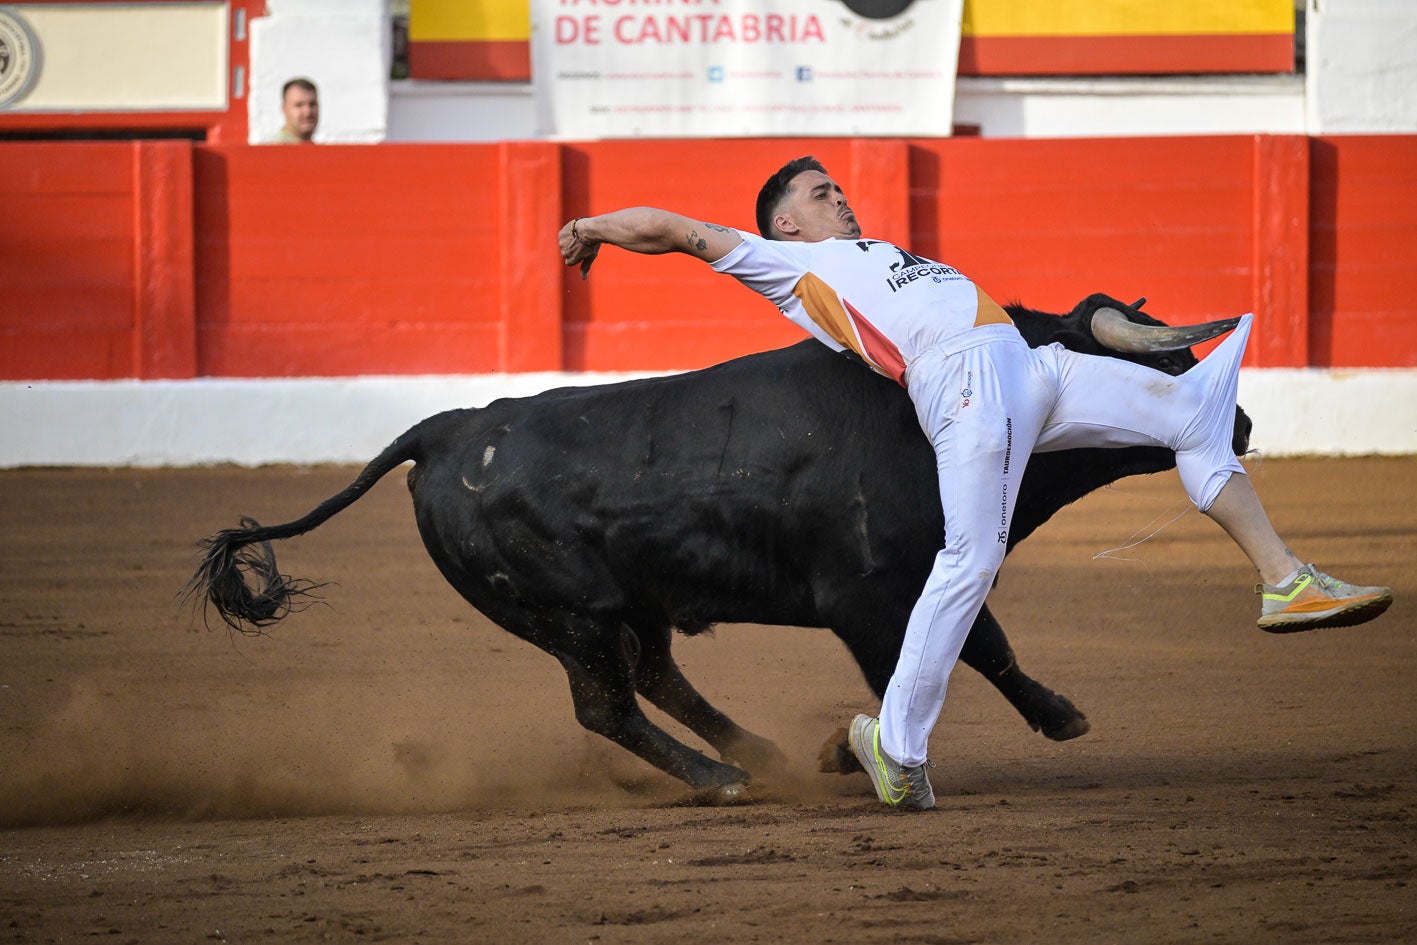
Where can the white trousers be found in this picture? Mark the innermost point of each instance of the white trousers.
(986, 405)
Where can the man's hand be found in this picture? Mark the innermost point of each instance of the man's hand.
(577, 248)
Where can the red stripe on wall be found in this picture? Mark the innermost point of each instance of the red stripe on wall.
(1125, 55)
(470, 59)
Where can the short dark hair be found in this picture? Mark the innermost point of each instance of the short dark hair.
(305, 85)
(770, 197)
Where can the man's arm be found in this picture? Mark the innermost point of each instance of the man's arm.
(644, 230)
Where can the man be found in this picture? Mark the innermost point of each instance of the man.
(986, 401)
(300, 104)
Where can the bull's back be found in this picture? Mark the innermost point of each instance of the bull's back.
(720, 494)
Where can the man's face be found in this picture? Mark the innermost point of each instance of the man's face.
(301, 109)
(815, 209)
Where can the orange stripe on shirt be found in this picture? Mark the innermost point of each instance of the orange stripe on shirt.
(989, 312)
(824, 308)
(852, 331)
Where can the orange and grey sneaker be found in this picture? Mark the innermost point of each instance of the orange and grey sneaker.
(895, 784)
(1314, 600)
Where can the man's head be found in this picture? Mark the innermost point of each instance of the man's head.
(800, 202)
(300, 104)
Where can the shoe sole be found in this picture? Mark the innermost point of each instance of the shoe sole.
(1349, 616)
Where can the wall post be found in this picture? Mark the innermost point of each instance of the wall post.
(164, 286)
(1280, 253)
(879, 188)
(530, 298)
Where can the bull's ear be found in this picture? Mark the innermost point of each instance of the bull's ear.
(1139, 303)
(1114, 330)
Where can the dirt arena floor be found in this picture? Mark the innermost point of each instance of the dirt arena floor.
(392, 767)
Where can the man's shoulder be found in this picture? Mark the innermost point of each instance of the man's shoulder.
(285, 136)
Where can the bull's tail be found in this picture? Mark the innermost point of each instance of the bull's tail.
(238, 576)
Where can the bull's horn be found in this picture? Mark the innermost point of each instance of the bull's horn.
(1112, 330)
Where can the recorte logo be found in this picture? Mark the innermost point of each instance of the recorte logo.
(19, 57)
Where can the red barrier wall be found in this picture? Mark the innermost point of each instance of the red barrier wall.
(384, 260)
(1363, 251)
(166, 259)
(96, 260)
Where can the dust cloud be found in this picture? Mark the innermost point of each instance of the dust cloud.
(137, 744)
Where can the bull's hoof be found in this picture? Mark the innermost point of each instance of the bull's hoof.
(732, 792)
(836, 756)
(1072, 728)
(720, 795)
(1060, 720)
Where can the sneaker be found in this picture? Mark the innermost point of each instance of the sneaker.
(896, 785)
(1314, 600)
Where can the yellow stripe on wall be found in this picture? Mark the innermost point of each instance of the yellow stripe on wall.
(444, 20)
(1126, 17)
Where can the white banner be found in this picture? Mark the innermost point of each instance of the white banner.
(734, 68)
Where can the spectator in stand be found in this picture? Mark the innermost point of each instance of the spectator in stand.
(300, 104)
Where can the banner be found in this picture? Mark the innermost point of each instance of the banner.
(744, 68)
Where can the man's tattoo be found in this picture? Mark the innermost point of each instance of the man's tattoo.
(721, 229)
(697, 241)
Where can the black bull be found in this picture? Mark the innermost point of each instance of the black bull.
(791, 487)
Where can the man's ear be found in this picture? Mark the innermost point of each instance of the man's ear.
(785, 224)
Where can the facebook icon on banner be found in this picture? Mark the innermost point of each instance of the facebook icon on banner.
(804, 73)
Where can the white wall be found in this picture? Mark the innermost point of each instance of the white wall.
(1362, 68)
(229, 420)
(426, 111)
(343, 46)
(349, 420)
(1131, 106)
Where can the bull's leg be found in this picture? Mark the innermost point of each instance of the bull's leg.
(659, 679)
(602, 688)
(599, 662)
(875, 652)
(987, 651)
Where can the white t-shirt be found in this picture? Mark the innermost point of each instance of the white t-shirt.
(871, 296)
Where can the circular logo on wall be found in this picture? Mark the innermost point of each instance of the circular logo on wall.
(19, 56)
(877, 9)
